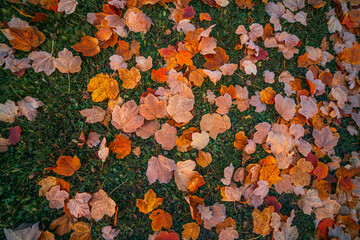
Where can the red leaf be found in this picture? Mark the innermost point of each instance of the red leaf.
(14, 136)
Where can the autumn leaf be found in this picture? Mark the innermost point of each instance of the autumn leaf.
(63, 225)
(78, 206)
(28, 107)
(82, 231)
(152, 108)
(26, 38)
(214, 61)
(46, 184)
(149, 203)
(240, 140)
(56, 197)
(166, 136)
(24, 231)
(101, 205)
(127, 117)
(8, 111)
(261, 220)
(191, 231)
(203, 159)
(14, 135)
(42, 62)
(66, 165)
(88, 46)
(159, 75)
(103, 87)
(164, 235)
(131, 78)
(204, 16)
(67, 6)
(121, 146)
(267, 95)
(67, 63)
(160, 219)
(94, 114)
(351, 55)
(160, 168)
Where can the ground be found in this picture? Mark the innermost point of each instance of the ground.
(59, 123)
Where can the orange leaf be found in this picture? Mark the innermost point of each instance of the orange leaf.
(267, 95)
(231, 90)
(240, 140)
(214, 61)
(149, 203)
(103, 87)
(82, 231)
(270, 173)
(183, 142)
(66, 165)
(191, 231)
(25, 38)
(89, 46)
(131, 78)
(159, 75)
(163, 235)
(346, 184)
(203, 159)
(205, 16)
(351, 55)
(323, 228)
(121, 146)
(268, 31)
(261, 220)
(194, 201)
(184, 57)
(196, 181)
(124, 50)
(321, 171)
(161, 219)
(64, 185)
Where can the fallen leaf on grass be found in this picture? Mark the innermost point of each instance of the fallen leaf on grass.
(66, 165)
(101, 205)
(82, 231)
(131, 78)
(56, 197)
(42, 62)
(160, 219)
(63, 225)
(8, 111)
(23, 232)
(150, 202)
(121, 146)
(78, 206)
(166, 136)
(191, 231)
(203, 159)
(103, 87)
(160, 168)
(94, 114)
(108, 233)
(261, 220)
(28, 107)
(14, 135)
(88, 46)
(67, 63)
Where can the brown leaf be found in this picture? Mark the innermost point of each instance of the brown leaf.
(26, 38)
(101, 204)
(82, 231)
(42, 62)
(67, 63)
(285, 107)
(93, 115)
(56, 197)
(215, 124)
(8, 111)
(88, 46)
(191, 231)
(215, 61)
(93, 139)
(78, 206)
(66, 165)
(160, 168)
(28, 107)
(62, 225)
(261, 220)
(166, 136)
(152, 108)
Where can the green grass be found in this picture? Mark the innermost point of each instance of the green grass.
(59, 122)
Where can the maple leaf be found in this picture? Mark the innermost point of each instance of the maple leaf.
(124, 51)
(325, 139)
(82, 230)
(89, 46)
(261, 220)
(267, 95)
(204, 16)
(148, 129)
(127, 117)
(117, 62)
(159, 75)
(203, 159)
(191, 231)
(270, 173)
(200, 140)
(152, 108)
(101, 204)
(149, 203)
(25, 231)
(300, 173)
(143, 64)
(184, 173)
(310, 200)
(285, 107)
(137, 21)
(351, 55)
(108, 233)
(67, 6)
(179, 107)
(121, 146)
(42, 62)
(215, 61)
(166, 136)
(56, 197)
(26, 38)
(160, 168)
(62, 225)
(160, 219)
(224, 103)
(66, 165)
(67, 63)
(93, 115)
(8, 111)
(218, 216)
(215, 124)
(28, 107)
(131, 78)
(46, 184)
(78, 206)
(103, 87)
